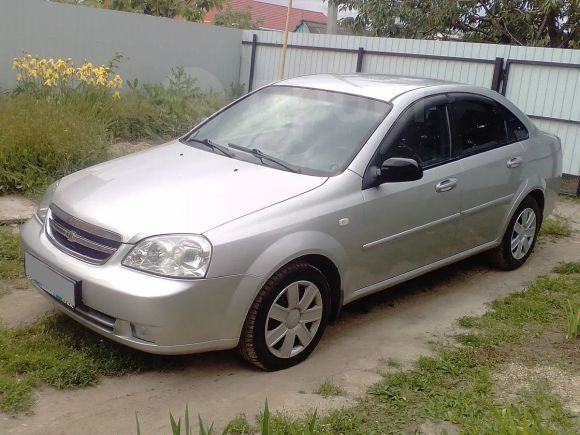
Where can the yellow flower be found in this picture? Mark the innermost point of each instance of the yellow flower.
(116, 95)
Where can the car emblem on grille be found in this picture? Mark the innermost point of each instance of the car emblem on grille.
(71, 236)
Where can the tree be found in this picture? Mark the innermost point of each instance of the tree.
(549, 23)
(241, 20)
(191, 10)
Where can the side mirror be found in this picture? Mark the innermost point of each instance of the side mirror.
(398, 169)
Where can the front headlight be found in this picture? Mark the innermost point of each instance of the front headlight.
(176, 256)
(46, 201)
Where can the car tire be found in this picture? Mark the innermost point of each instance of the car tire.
(520, 236)
(287, 318)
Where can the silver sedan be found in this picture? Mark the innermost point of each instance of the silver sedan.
(255, 228)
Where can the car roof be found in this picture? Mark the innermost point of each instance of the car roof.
(378, 86)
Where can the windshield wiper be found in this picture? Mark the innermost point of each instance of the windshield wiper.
(262, 156)
(212, 145)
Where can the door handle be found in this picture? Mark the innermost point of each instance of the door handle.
(514, 162)
(446, 185)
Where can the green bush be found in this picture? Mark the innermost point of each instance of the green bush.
(41, 141)
(47, 135)
(161, 111)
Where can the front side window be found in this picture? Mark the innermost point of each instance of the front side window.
(319, 132)
(421, 134)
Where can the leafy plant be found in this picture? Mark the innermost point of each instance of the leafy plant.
(50, 129)
(159, 111)
(556, 227)
(572, 320)
(235, 91)
(328, 388)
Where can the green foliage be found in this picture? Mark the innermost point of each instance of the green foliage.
(550, 23)
(235, 91)
(161, 111)
(43, 138)
(568, 268)
(227, 17)
(555, 227)
(328, 388)
(59, 352)
(572, 310)
(41, 141)
(191, 11)
(239, 426)
(10, 255)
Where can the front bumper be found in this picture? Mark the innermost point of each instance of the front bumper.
(147, 312)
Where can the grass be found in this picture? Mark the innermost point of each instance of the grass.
(328, 388)
(556, 227)
(40, 142)
(59, 352)
(11, 262)
(568, 268)
(458, 385)
(572, 310)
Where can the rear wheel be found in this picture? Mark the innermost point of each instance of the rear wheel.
(287, 318)
(520, 237)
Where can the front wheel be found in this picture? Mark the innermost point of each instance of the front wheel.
(520, 237)
(287, 318)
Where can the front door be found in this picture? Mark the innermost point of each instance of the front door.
(412, 224)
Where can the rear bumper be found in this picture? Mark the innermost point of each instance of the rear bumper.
(146, 312)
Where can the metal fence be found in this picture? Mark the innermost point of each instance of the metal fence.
(543, 82)
(150, 46)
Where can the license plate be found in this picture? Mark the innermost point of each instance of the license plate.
(62, 288)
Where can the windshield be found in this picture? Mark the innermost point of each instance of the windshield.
(318, 132)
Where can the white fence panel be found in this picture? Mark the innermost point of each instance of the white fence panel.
(150, 46)
(543, 82)
(310, 54)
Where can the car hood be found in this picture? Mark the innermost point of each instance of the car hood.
(174, 188)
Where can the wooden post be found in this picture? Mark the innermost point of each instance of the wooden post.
(285, 41)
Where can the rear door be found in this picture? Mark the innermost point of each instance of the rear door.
(487, 143)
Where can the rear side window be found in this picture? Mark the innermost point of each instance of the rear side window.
(480, 125)
(515, 129)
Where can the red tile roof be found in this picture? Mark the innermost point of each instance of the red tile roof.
(270, 16)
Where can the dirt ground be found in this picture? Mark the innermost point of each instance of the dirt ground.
(398, 324)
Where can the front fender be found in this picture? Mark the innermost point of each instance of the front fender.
(296, 245)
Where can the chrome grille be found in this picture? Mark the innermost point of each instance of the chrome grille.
(80, 239)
